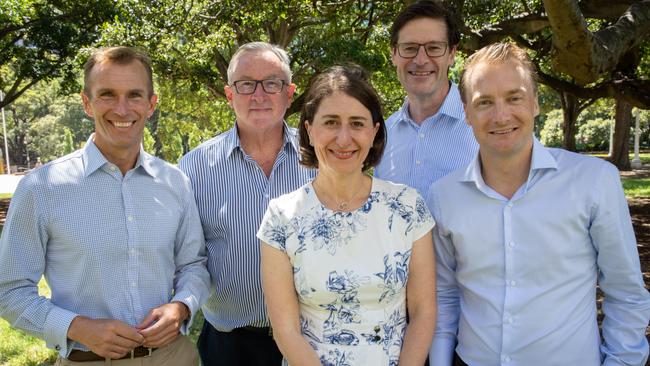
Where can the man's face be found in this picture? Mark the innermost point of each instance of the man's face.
(501, 108)
(120, 104)
(259, 110)
(423, 77)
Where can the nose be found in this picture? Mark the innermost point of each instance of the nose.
(343, 137)
(501, 112)
(421, 57)
(259, 92)
(121, 106)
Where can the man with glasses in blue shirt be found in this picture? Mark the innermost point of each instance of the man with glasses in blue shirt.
(234, 176)
(428, 136)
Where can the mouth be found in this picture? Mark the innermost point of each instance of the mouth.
(122, 124)
(421, 73)
(504, 132)
(343, 154)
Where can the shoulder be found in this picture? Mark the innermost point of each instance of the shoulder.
(392, 189)
(290, 203)
(393, 119)
(580, 165)
(214, 148)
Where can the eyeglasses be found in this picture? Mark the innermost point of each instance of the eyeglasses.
(270, 86)
(432, 49)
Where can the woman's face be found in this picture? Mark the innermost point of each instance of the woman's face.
(342, 134)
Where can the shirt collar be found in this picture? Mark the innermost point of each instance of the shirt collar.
(94, 159)
(233, 142)
(449, 106)
(541, 159)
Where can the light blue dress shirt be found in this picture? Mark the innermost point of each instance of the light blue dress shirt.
(110, 246)
(232, 194)
(418, 155)
(517, 277)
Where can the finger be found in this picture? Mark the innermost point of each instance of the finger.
(149, 319)
(129, 333)
(163, 340)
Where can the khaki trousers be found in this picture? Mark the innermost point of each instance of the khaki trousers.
(181, 352)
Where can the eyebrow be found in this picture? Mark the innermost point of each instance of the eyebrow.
(337, 116)
(109, 90)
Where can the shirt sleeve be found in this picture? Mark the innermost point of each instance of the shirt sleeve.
(627, 303)
(273, 231)
(423, 221)
(22, 263)
(448, 299)
(191, 279)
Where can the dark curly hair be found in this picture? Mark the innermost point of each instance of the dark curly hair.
(353, 81)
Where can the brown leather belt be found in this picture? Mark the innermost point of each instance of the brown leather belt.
(87, 356)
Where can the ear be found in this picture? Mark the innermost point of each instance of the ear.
(291, 89)
(152, 104)
(467, 120)
(85, 100)
(452, 56)
(308, 129)
(393, 55)
(536, 107)
(229, 94)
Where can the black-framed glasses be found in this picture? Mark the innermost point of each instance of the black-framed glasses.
(411, 49)
(270, 86)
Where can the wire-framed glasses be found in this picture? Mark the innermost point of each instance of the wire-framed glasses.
(432, 49)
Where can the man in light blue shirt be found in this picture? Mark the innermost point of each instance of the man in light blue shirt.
(114, 230)
(428, 137)
(234, 176)
(523, 236)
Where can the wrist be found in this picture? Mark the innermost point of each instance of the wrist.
(184, 310)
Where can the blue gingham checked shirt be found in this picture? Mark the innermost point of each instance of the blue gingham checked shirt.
(232, 194)
(418, 155)
(110, 246)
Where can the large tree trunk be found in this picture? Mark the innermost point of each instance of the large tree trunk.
(621, 150)
(157, 144)
(570, 111)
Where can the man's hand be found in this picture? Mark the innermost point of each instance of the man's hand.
(106, 337)
(161, 326)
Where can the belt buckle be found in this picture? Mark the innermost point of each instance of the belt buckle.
(149, 352)
(133, 353)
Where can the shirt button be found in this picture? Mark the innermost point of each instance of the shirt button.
(267, 196)
(418, 162)
(513, 283)
(133, 284)
(511, 244)
(509, 321)
(509, 204)
(130, 218)
(112, 168)
(421, 135)
(506, 358)
(57, 347)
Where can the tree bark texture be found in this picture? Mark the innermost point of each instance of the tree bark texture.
(620, 152)
(570, 111)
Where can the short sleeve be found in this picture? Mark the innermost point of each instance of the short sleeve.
(422, 220)
(274, 230)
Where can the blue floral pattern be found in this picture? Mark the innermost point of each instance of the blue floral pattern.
(350, 269)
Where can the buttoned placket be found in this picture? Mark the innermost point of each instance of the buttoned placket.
(133, 263)
(509, 320)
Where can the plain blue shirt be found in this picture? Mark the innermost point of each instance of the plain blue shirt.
(418, 155)
(516, 278)
(232, 194)
(110, 246)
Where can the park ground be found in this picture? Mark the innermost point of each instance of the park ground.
(19, 349)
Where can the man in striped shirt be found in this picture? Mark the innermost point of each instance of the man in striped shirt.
(428, 136)
(234, 176)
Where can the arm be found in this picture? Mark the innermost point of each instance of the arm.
(191, 283)
(421, 302)
(627, 302)
(283, 308)
(448, 298)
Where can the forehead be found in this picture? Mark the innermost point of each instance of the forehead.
(112, 75)
(422, 30)
(258, 65)
(333, 104)
(497, 78)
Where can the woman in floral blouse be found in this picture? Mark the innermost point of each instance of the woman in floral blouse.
(345, 256)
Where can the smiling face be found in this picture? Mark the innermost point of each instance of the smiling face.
(342, 134)
(501, 106)
(120, 104)
(424, 77)
(259, 110)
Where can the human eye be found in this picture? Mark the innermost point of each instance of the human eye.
(358, 124)
(244, 86)
(136, 95)
(106, 95)
(516, 98)
(272, 85)
(410, 47)
(434, 47)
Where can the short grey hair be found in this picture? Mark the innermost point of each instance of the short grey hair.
(254, 47)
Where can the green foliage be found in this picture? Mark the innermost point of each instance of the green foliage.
(551, 134)
(593, 135)
(39, 40)
(636, 187)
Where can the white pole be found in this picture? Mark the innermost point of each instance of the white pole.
(636, 162)
(611, 139)
(4, 132)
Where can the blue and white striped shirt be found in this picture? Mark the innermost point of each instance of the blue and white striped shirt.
(232, 194)
(418, 155)
(109, 246)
